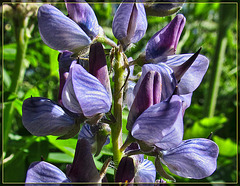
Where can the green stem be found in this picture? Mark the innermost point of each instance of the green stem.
(225, 19)
(116, 128)
(22, 38)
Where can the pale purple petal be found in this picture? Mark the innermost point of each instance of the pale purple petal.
(60, 32)
(165, 41)
(186, 99)
(69, 99)
(43, 172)
(90, 93)
(167, 75)
(86, 133)
(194, 158)
(160, 123)
(129, 23)
(41, 117)
(193, 76)
(82, 13)
(146, 173)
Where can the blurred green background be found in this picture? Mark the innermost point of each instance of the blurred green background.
(30, 68)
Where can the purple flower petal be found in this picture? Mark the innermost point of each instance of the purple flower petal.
(43, 172)
(98, 66)
(83, 168)
(186, 99)
(161, 124)
(194, 158)
(129, 23)
(149, 93)
(41, 117)
(167, 75)
(146, 172)
(164, 42)
(84, 93)
(125, 171)
(82, 13)
(193, 76)
(60, 32)
(86, 133)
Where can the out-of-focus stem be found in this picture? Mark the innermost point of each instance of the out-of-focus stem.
(116, 128)
(21, 29)
(225, 20)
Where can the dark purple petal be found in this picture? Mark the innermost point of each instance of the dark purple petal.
(149, 93)
(161, 124)
(129, 23)
(194, 158)
(125, 171)
(82, 13)
(43, 172)
(146, 172)
(164, 42)
(193, 76)
(98, 66)
(83, 168)
(167, 75)
(60, 32)
(41, 117)
(83, 93)
(65, 62)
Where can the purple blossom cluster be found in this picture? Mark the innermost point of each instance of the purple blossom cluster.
(157, 102)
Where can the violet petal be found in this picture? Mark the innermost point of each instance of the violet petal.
(41, 117)
(163, 121)
(82, 13)
(165, 41)
(146, 172)
(193, 158)
(60, 32)
(43, 172)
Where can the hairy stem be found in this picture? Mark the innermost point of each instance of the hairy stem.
(116, 128)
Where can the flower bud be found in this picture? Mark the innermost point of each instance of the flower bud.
(149, 93)
(98, 66)
(164, 42)
(129, 23)
(162, 8)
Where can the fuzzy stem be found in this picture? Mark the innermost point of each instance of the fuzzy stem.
(116, 128)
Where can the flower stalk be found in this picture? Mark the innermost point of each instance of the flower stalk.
(116, 128)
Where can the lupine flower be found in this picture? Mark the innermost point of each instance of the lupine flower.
(60, 32)
(132, 169)
(82, 13)
(193, 158)
(41, 117)
(162, 8)
(164, 42)
(84, 93)
(83, 169)
(129, 22)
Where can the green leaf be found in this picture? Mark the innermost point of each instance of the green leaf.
(58, 157)
(67, 146)
(226, 146)
(100, 164)
(9, 51)
(18, 105)
(203, 127)
(33, 92)
(53, 56)
(6, 78)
